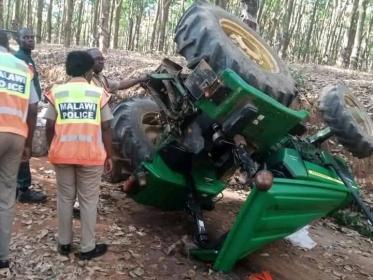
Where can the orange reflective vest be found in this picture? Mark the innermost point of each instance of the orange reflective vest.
(77, 138)
(15, 85)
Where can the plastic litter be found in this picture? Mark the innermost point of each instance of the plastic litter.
(302, 239)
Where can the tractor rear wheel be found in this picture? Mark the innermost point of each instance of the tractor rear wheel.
(136, 126)
(224, 41)
(347, 118)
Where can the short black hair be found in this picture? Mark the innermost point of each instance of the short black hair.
(4, 40)
(78, 63)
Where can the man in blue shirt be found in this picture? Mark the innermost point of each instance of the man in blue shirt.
(26, 42)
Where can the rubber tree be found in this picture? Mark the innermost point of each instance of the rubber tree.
(359, 32)
(95, 22)
(286, 29)
(104, 25)
(155, 26)
(68, 23)
(222, 3)
(1, 13)
(40, 20)
(350, 38)
(162, 29)
(118, 11)
(16, 19)
(49, 21)
(310, 30)
(249, 12)
(80, 19)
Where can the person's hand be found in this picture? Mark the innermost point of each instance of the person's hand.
(108, 165)
(26, 154)
(144, 78)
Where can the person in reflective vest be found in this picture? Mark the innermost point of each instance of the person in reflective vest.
(18, 108)
(79, 134)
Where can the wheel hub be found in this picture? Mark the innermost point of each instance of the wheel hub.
(151, 125)
(250, 45)
(358, 114)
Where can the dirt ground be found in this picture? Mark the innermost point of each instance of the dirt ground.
(144, 241)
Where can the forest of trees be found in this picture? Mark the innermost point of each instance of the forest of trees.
(315, 31)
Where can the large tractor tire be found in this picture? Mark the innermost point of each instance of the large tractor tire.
(224, 41)
(346, 117)
(135, 128)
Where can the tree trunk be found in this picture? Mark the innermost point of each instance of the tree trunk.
(95, 22)
(112, 8)
(1, 13)
(221, 3)
(40, 21)
(249, 12)
(130, 34)
(49, 21)
(62, 21)
(310, 30)
(70, 9)
(165, 10)
(118, 12)
(16, 19)
(139, 14)
(154, 31)
(286, 29)
(8, 14)
(79, 27)
(346, 52)
(104, 24)
(359, 32)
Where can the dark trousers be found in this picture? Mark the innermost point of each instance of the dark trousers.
(24, 176)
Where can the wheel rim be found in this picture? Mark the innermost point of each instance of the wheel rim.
(358, 114)
(250, 45)
(151, 126)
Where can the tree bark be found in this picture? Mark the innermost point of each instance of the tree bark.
(112, 9)
(139, 14)
(95, 22)
(310, 30)
(16, 19)
(249, 12)
(79, 27)
(49, 21)
(154, 31)
(104, 24)
(1, 13)
(162, 33)
(29, 14)
(359, 32)
(70, 9)
(40, 20)
(286, 29)
(221, 3)
(118, 12)
(346, 52)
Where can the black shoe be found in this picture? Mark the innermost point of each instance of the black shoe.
(4, 264)
(31, 196)
(64, 250)
(98, 251)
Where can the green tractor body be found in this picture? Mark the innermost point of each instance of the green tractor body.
(304, 188)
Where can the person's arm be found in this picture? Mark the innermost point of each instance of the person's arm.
(107, 139)
(50, 116)
(49, 131)
(125, 84)
(31, 123)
